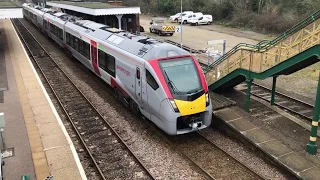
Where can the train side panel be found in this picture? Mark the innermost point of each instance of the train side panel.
(56, 27)
(82, 53)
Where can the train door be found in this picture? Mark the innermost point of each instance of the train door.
(139, 86)
(94, 57)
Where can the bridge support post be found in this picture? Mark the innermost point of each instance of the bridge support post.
(312, 146)
(249, 83)
(273, 92)
(119, 16)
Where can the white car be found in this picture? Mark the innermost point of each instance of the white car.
(185, 16)
(174, 17)
(205, 19)
(194, 16)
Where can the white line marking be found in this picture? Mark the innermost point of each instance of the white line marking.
(250, 130)
(266, 141)
(306, 169)
(233, 119)
(285, 154)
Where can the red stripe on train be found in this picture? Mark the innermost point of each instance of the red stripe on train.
(94, 57)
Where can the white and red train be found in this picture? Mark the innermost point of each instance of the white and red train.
(161, 81)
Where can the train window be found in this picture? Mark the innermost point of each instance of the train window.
(107, 62)
(81, 46)
(44, 23)
(111, 61)
(86, 48)
(102, 63)
(138, 73)
(61, 34)
(76, 43)
(71, 40)
(68, 38)
(151, 81)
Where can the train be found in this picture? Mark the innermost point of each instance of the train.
(162, 82)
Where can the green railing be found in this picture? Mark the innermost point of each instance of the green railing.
(265, 44)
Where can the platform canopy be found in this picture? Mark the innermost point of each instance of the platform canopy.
(94, 8)
(9, 9)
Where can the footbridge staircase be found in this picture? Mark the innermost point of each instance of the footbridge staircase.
(293, 50)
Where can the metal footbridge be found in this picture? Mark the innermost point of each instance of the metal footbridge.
(293, 50)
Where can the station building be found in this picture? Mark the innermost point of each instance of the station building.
(113, 13)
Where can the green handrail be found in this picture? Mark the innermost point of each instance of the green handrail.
(25, 177)
(264, 44)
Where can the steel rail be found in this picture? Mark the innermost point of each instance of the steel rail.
(196, 165)
(286, 96)
(69, 118)
(234, 158)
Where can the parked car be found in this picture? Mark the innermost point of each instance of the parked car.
(205, 19)
(194, 16)
(184, 17)
(159, 26)
(176, 16)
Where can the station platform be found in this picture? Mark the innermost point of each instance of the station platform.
(33, 131)
(281, 144)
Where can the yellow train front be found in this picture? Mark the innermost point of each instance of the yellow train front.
(187, 106)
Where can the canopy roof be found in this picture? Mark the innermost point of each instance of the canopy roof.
(94, 8)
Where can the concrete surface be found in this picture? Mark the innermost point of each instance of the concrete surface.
(15, 131)
(299, 165)
(42, 144)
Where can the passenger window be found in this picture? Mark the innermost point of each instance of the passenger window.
(151, 81)
(68, 38)
(107, 62)
(138, 73)
(86, 48)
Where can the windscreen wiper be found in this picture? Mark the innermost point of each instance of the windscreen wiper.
(194, 90)
(174, 88)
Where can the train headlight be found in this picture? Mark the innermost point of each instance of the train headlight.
(207, 99)
(173, 105)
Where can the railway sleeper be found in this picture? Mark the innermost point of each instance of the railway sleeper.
(82, 112)
(90, 130)
(99, 139)
(78, 106)
(96, 134)
(66, 90)
(89, 119)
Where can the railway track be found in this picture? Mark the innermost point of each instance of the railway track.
(109, 155)
(283, 101)
(209, 167)
(214, 161)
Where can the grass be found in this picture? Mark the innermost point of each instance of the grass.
(7, 4)
(311, 72)
(91, 5)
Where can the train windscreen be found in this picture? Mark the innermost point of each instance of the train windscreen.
(181, 75)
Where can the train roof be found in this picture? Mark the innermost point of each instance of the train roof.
(142, 46)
